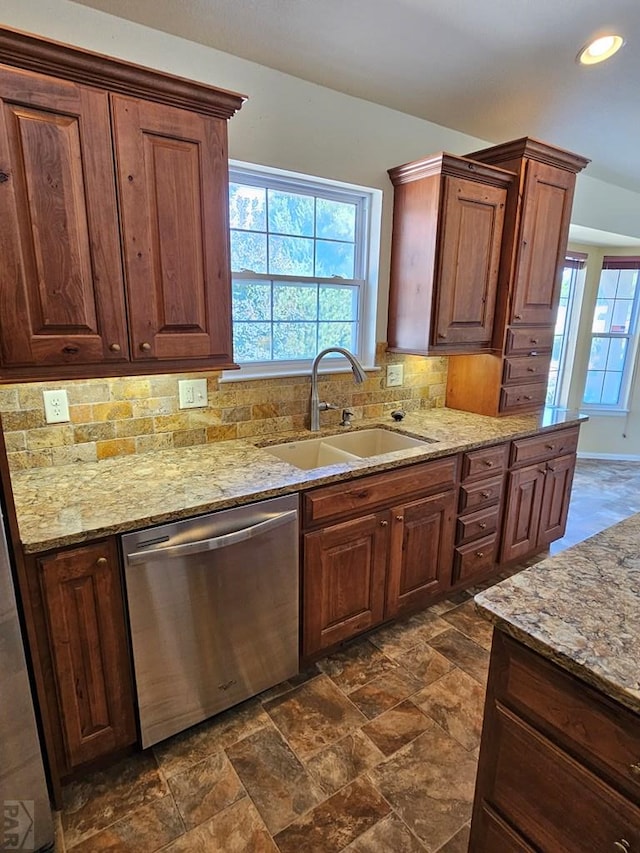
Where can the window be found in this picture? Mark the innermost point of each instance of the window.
(300, 269)
(613, 334)
(565, 334)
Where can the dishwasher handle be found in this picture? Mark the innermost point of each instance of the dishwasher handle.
(216, 542)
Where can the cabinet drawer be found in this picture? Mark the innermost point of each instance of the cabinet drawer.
(474, 558)
(546, 446)
(476, 524)
(516, 397)
(600, 733)
(526, 368)
(361, 495)
(496, 836)
(483, 462)
(526, 340)
(554, 801)
(484, 493)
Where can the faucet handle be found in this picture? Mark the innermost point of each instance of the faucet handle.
(324, 407)
(347, 414)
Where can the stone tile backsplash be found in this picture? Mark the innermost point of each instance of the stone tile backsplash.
(115, 417)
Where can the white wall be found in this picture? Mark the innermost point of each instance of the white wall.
(296, 125)
(607, 435)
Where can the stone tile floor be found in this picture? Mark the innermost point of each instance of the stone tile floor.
(373, 749)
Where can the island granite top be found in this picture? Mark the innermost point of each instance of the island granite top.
(74, 503)
(580, 609)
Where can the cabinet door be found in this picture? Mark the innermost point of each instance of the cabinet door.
(555, 499)
(61, 290)
(344, 576)
(173, 185)
(522, 512)
(85, 615)
(469, 255)
(548, 195)
(421, 552)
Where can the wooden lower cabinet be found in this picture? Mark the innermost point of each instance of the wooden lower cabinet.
(397, 558)
(84, 619)
(556, 762)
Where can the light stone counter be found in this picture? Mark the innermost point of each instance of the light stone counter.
(74, 503)
(581, 609)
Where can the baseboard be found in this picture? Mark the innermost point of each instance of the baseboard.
(613, 457)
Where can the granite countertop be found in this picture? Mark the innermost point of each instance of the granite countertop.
(74, 503)
(580, 609)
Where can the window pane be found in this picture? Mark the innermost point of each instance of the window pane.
(335, 220)
(251, 300)
(337, 335)
(627, 284)
(295, 302)
(602, 315)
(338, 302)
(611, 388)
(621, 319)
(593, 387)
(334, 259)
(599, 353)
(248, 252)
(294, 340)
(247, 207)
(608, 284)
(290, 256)
(617, 352)
(252, 341)
(291, 213)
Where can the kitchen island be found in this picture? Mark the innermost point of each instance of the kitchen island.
(559, 765)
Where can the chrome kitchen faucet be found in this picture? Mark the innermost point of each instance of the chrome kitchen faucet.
(316, 406)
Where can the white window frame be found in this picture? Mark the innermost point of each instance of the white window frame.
(577, 261)
(631, 356)
(366, 267)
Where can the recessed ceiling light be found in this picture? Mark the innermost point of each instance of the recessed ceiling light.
(600, 49)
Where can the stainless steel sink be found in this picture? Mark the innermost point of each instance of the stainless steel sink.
(347, 447)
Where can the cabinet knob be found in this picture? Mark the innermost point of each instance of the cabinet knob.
(102, 562)
(398, 518)
(488, 463)
(482, 525)
(114, 347)
(145, 347)
(479, 554)
(517, 316)
(533, 341)
(528, 397)
(485, 494)
(384, 523)
(550, 446)
(441, 335)
(635, 769)
(70, 349)
(623, 844)
(531, 370)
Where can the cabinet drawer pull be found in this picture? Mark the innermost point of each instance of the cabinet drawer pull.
(531, 370)
(623, 844)
(528, 397)
(485, 494)
(488, 463)
(114, 347)
(398, 518)
(635, 769)
(102, 562)
(70, 349)
(384, 523)
(482, 525)
(479, 554)
(533, 340)
(145, 347)
(549, 446)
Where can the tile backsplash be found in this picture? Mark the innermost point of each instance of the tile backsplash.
(115, 417)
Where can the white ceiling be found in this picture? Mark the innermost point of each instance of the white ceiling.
(495, 69)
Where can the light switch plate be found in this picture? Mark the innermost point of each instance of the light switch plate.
(395, 375)
(56, 406)
(192, 393)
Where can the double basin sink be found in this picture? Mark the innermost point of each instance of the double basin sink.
(347, 447)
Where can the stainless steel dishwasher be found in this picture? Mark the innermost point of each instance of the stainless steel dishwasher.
(213, 606)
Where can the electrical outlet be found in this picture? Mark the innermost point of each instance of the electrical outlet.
(395, 375)
(192, 393)
(56, 406)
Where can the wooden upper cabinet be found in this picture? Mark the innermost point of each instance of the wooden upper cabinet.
(61, 294)
(113, 203)
(173, 187)
(544, 231)
(447, 230)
